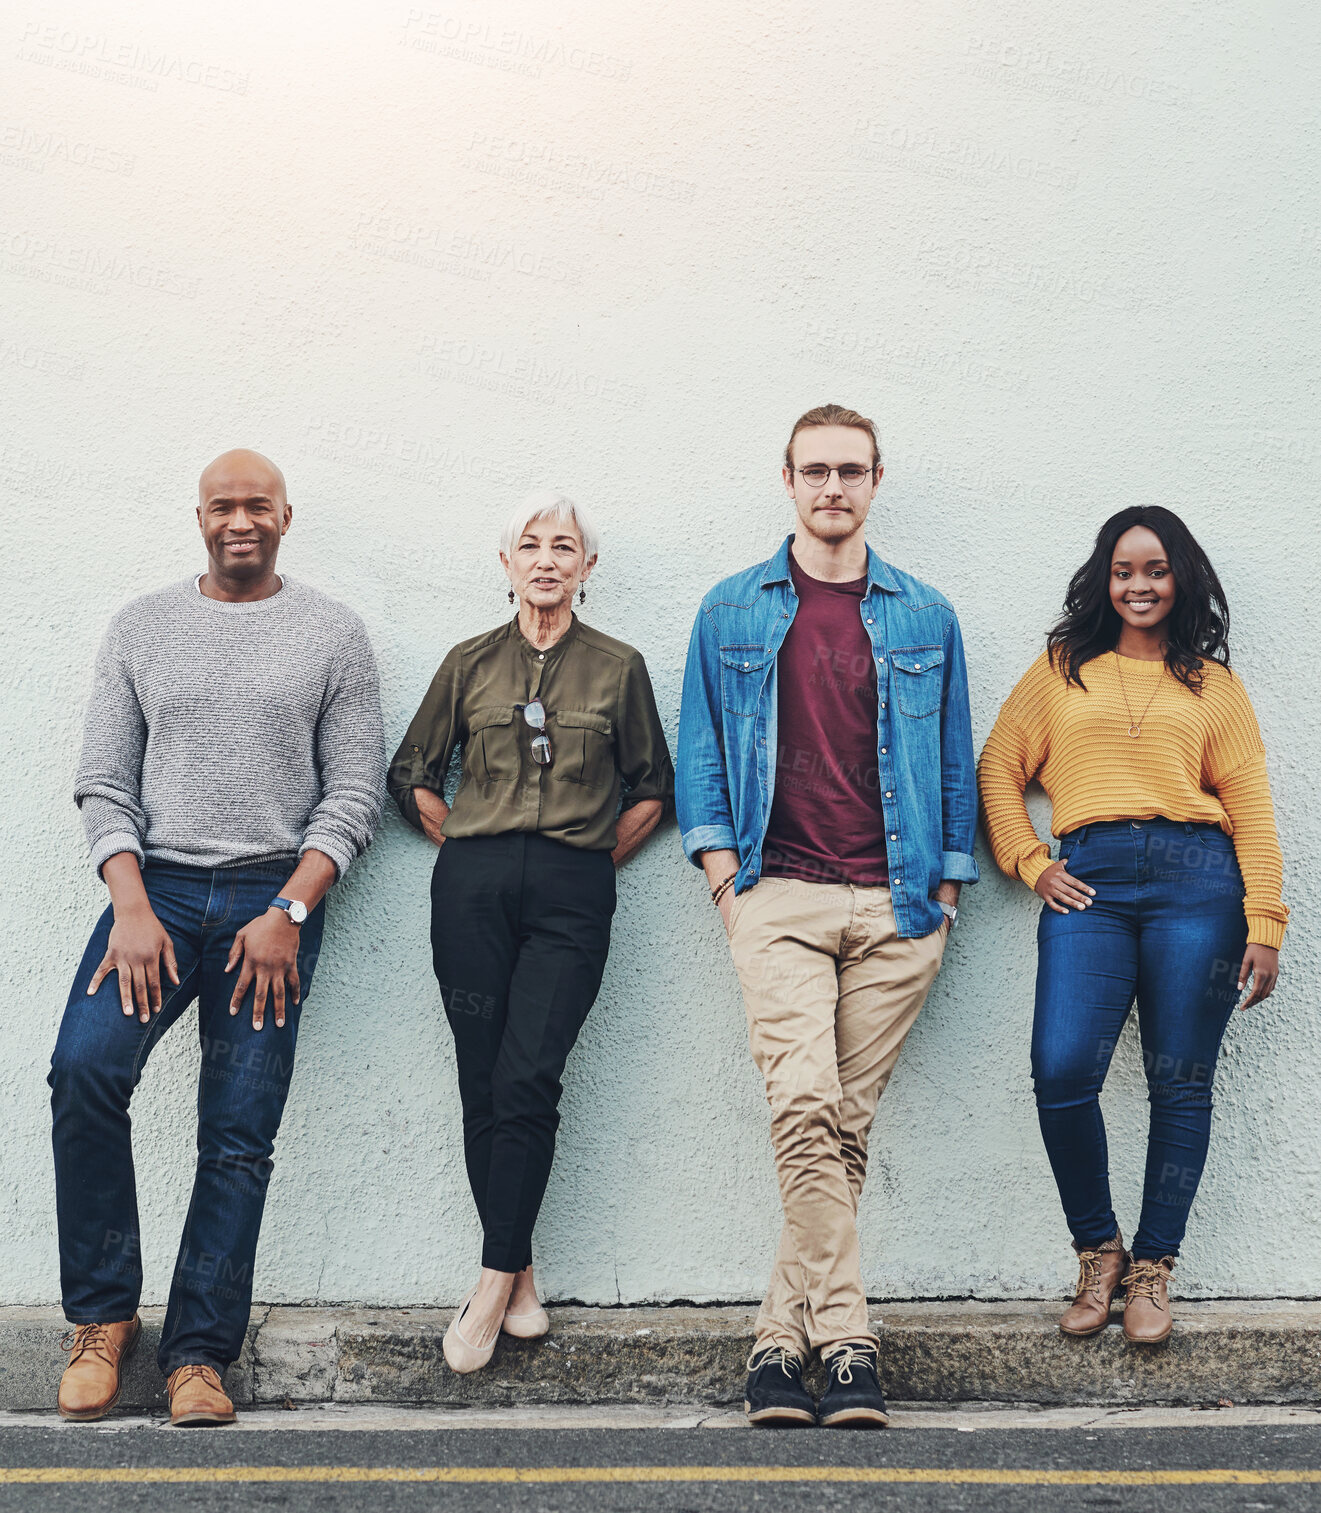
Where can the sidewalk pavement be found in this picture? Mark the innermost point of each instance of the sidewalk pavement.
(1242, 1351)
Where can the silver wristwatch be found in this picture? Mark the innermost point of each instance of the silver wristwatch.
(295, 908)
(950, 911)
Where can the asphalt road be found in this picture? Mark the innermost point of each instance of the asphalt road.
(1176, 1470)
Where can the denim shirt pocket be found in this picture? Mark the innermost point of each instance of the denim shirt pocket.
(917, 680)
(742, 677)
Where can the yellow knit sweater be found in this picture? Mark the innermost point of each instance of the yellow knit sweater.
(1199, 758)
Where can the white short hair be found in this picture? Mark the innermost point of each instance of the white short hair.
(550, 504)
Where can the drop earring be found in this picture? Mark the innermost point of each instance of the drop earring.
(511, 596)
(582, 594)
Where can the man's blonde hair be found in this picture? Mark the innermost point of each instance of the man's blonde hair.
(834, 415)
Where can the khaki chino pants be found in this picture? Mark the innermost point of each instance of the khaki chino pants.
(831, 991)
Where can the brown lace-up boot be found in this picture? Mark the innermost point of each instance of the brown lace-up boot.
(1100, 1269)
(90, 1385)
(1147, 1317)
(196, 1397)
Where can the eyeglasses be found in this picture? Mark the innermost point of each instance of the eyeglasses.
(535, 715)
(817, 473)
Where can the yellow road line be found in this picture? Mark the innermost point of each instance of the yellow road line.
(964, 1476)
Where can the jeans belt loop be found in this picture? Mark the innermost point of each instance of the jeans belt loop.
(1082, 835)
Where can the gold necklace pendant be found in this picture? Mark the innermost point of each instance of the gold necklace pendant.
(1134, 726)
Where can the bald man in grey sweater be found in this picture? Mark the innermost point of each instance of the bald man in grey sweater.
(232, 769)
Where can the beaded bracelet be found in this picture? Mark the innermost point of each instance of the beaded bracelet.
(718, 892)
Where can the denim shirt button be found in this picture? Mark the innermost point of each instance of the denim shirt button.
(884, 750)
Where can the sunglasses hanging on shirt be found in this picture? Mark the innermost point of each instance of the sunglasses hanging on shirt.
(535, 716)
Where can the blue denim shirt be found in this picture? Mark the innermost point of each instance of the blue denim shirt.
(725, 777)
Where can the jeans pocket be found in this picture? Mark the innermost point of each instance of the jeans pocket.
(1215, 840)
(1071, 842)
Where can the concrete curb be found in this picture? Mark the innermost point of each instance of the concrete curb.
(1250, 1352)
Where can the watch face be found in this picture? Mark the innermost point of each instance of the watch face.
(297, 911)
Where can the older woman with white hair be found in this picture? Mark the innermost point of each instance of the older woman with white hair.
(558, 728)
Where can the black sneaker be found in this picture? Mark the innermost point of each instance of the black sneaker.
(854, 1399)
(775, 1391)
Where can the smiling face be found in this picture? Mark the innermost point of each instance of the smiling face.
(1142, 587)
(832, 510)
(548, 563)
(243, 513)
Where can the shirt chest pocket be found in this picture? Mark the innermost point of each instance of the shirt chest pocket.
(742, 676)
(582, 748)
(491, 754)
(916, 679)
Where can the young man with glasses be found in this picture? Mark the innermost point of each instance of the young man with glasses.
(826, 785)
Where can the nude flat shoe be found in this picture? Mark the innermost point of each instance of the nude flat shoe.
(460, 1354)
(532, 1325)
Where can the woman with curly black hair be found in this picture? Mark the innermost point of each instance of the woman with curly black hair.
(1166, 889)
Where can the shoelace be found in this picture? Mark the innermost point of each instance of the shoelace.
(842, 1361)
(779, 1354)
(187, 1373)
(88, 1339)
(1089, 1272)
(1143, 1280)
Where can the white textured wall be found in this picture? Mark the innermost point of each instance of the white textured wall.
(427, 258)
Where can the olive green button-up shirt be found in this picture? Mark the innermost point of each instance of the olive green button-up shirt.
(605, 737)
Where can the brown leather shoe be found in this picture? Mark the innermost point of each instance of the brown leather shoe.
(1147, 1318)
(1100, 1269)
(196, 1397)
(90, 1385)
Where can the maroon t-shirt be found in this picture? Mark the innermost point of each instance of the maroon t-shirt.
(826, 821)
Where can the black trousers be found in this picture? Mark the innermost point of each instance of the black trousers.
(520, 931)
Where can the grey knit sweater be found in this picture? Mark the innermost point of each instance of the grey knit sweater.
(222, 734)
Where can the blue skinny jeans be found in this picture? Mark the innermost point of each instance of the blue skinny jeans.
(1166, 928)
(242, 1085)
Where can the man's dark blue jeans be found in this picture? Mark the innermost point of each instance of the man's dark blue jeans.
(243, 1083)
(1166, 927)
